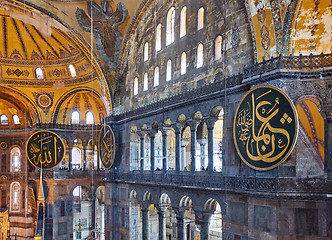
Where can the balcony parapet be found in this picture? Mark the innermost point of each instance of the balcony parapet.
(216, 181)
(300, 62)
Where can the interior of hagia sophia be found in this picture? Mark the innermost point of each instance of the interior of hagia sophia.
(143, 98)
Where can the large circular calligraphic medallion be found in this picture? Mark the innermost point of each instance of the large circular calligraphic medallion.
(45, 149)
(265, 127)
(107, 146)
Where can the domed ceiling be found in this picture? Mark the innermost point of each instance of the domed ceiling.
(23, 48)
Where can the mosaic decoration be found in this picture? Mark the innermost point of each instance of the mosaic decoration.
(105, 24)
(265, 127)
(17, 72)
(45, 149)
(44, 100)
(107, 146)
(3, 145)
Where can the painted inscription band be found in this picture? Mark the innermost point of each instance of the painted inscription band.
(265, 127)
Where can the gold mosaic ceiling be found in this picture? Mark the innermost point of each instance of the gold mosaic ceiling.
(24, 47)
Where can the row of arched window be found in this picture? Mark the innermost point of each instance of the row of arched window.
(170, 26)
(75, 118)
(183, 66)
(4, 119)
(40, 72)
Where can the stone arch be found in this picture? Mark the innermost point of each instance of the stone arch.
(197, 115)
(181, 118)
(147, 197)
(164, 199)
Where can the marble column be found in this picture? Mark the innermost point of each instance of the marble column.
(162, 224)
(181, 226)
(205, 226)
(193, 129)
(152, 150)
(178, 127)
(142, 153)
(145, 223)
(210, 126)
(164, 138)
(70, 160)
(85, 162)
(202, 143)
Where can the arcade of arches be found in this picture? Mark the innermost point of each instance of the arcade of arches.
(167, 77)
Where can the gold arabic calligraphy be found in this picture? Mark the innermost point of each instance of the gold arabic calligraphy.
(44, 150)
(269, 143)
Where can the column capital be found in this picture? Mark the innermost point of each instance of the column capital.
(152, 132)
(193, 124)
(141, 134)
(177, 127)
(210, 121)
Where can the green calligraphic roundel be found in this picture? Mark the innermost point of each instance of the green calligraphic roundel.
(265, 127)
(107, 146)
(45, 149)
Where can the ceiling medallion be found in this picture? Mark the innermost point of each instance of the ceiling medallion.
(265, 127)
(44, 100)
(3, 145)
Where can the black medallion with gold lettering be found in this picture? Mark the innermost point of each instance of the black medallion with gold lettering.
(265, 127)
(107, 146)
(45, 149)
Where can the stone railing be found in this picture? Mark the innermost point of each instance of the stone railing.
(219, 182)
(288, 62)
(87, 127)
(65, 174)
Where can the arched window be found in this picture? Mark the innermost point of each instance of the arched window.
(217, 47)
(183, 22)
(146, 51)
(75, 117)
(16, 119)
(76, 158)
(77, 191)
(156, 77)
(72, 70)
(158, 38)
(170, 26)
(146, 82)
(15, 160)
(169, 70)
(15, 196)
(39, 73)
(89, 118)
(200, 55)
(135, 86)
(4, 119)
(183, 63)
(200, 18)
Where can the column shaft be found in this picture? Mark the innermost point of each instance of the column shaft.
(152, 152)
(177, 151)
(142, 154)
(164, 151)
(162, 225)
(145, 224)
(181, 227)
(70, 160)
(193, 150)
(210, 150)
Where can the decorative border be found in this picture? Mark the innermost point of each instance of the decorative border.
(287, 27)
(253, 35)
